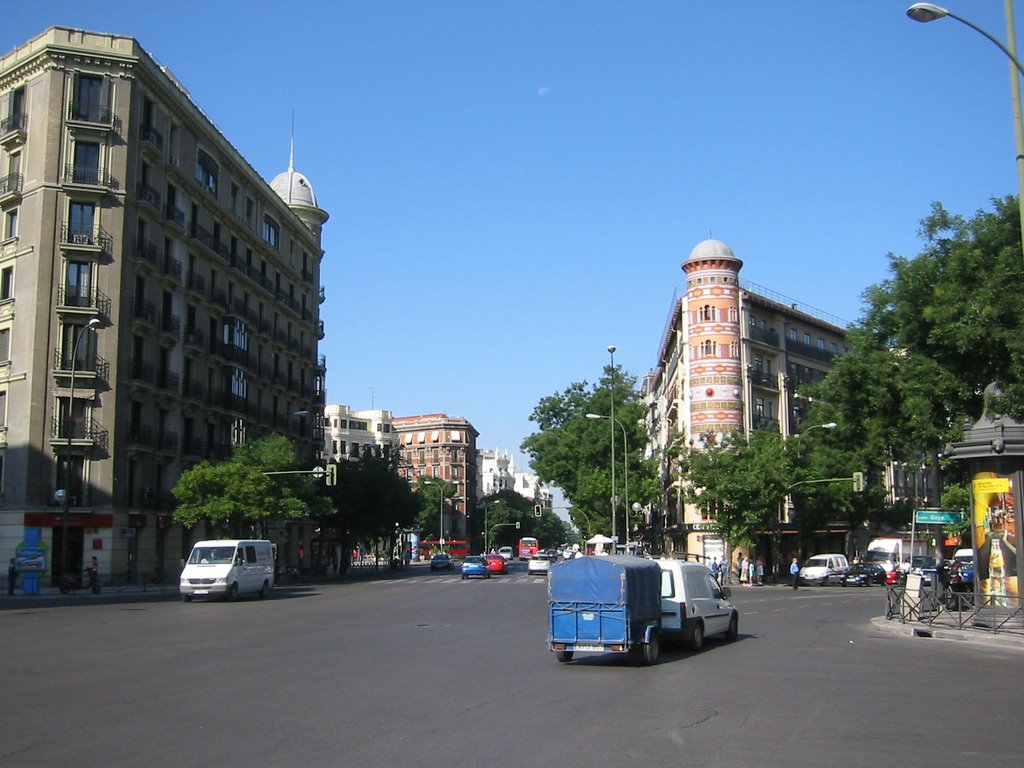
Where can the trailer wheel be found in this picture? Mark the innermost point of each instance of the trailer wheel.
(563, 656)
(652, 650)
(232, 594)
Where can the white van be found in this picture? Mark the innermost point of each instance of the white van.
(824, 569)
(228, 568)
(506, 552)
(693, 604)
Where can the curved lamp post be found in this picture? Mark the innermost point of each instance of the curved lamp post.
(441, 485)
(69, 427)
(625, 456)
(925, 12)
(611, 398)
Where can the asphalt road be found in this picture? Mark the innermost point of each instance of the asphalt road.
(430, 670)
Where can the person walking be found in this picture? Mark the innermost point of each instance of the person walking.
(715, 570)
(760, 571)
(12, 577)
(794, 571)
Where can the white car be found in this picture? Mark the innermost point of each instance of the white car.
(506, 552)
(539, 564)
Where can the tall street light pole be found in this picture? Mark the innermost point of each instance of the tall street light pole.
(69, 426)
(625, 462)
(440, 535)
(611, 351)
(925, 12)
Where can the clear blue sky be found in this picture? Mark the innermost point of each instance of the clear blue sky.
(513, 184)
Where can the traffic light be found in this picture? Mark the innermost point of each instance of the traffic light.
(538, 510)
(858, 481)
(332, 474)
(517, 526)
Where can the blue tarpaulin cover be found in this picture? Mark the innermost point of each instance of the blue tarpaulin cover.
(632, 582)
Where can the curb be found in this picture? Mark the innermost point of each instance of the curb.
(1003, 639)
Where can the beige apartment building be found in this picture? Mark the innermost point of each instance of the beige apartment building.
(731, 359)
(160, 303)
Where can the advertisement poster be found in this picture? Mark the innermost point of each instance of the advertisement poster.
(995, 535)
(29, 559)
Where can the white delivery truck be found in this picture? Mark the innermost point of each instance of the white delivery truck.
(891, 553)
(228, 568)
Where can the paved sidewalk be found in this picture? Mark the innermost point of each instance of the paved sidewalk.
(1007, 637)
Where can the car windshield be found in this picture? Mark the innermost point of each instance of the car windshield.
(212, 555)
(816, 562)
(474, 559)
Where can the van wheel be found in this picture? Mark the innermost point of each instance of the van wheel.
(233, 592)
(264, 590)
(652, 650)
(697, 637)
(186, 598)
(563, 656)
(734, 627)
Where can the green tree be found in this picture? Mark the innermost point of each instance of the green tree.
(574, 452)
(240, 495)
(372, 502)
(507, 508)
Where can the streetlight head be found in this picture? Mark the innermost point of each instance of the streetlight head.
(93, 322)
(829, 425)
(925, 12)
(595, 416)
(611, 348)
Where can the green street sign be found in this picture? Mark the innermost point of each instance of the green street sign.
(938, 516)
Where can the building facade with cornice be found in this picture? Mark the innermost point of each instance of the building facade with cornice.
(160, 304)
(730, 360)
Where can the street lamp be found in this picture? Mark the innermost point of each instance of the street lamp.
(440, 537)
(783, 504)
(611, 352)
(69, 426)
(925, 12)
(625, 456)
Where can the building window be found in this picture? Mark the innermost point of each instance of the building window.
(807, 339)
(3, 408)
(6, 283)
(11, 224)
(14, 115)
(792, 334)
(86, 168)
(206, 172)
(821, 343)
(90, 99)
(79, 283)
(271, 232)
(80, 222)
(833, 348)
(5, 345)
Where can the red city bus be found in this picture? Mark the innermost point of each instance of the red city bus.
(454, 547)
(528, 547)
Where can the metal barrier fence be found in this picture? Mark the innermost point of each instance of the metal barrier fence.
(994, 613)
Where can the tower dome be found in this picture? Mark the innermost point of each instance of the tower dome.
(711, 249)
(292, 187)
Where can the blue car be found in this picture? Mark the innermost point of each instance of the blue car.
(475, 565)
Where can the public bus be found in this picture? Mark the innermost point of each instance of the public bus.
(528, 547)
(454, 547)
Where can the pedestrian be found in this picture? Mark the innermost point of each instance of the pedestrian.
(794, 571)
(12, 577)
(745, 571)
(715, 570)
(760, 571)
(752, 573)
(740, 570)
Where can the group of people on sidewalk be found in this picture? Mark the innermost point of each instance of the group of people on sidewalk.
(746, 570)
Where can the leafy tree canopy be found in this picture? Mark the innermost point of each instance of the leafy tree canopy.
(239, 493)
(574, 452)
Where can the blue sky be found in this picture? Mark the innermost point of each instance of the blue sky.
(513, 184)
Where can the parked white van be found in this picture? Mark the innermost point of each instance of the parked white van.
(228, 568)
(824, 569)
(693, 604)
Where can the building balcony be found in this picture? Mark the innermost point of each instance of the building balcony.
(763, 336)
(766, 424)
(77, 437)
(194, 390)
(13, 130)
(94, 115)
(10, 187)
(150, 139)
(94, 240)
(76, 297)
(170, 328)
(88, 370)
(809, 350)
(151, 197)
(144, 314)
(764, 380)
(84, 179)
(194, 341)
(175, 215)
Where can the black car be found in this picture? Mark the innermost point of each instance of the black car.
(863, 575)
